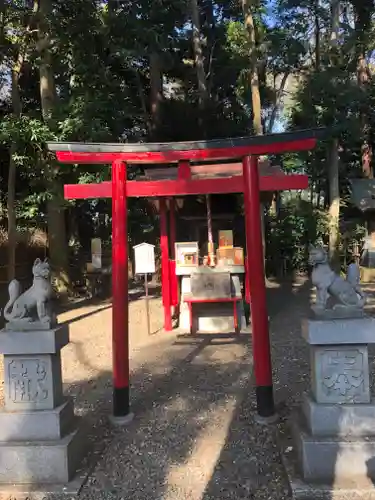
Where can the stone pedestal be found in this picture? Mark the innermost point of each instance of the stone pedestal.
(334, 434)
(39, 442)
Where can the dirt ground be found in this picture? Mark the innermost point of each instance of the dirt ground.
(194, 436)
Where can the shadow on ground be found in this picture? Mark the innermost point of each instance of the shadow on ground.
(99, 305)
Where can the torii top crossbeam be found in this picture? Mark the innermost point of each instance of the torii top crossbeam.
(245, 149)
(182, 153)
(168, 152)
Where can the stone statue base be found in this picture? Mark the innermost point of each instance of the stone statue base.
(338, 312)
(39, 442)
(19, 325)
(333, 437)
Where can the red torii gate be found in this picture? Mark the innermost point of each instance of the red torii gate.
(246, 148)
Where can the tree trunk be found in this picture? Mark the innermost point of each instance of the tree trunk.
(275, 203)
(335, 23)
(57, 240)
(11, 208)
(278, 97)
(333, 155)
(366, 149)
(254, 74)
(334, 203)
(317, 36)
(209, 22)
(199, 64)
(156, 97)
(255, 88)
(16, 70)
(363, 10)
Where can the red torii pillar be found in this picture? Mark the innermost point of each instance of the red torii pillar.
(257, 289)
(164, 246)
(173, 285)
(120, 310)
(172, 226)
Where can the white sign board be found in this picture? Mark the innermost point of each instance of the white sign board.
(144, 254)
(96, 253)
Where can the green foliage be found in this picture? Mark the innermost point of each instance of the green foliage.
(288, 235)
(299, 224)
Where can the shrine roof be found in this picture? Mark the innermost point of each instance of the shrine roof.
(167, 151)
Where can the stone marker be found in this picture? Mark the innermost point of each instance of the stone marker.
(39, 442)
(210, 285)
(333, 437)
(214, 317)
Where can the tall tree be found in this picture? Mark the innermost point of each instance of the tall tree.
(16, 28)
(57, 238)
(254, 70)
(156, 94)
(333, 157)
(203, 95)
(363, 12)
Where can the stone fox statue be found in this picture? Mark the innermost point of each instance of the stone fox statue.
(346, 292)
(21, 306)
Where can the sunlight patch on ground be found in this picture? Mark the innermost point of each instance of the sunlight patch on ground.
(222, 354)
(192, 477)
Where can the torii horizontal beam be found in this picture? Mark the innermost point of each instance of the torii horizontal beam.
(222, 185)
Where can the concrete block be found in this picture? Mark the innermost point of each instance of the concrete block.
(339, 420)
(340, 374)
(32, 382)
(339, 331)
(42, 462)
(349, 488)
(34, 342)
(37, 425)
(218, 318)
(326, 460)
(214, 317)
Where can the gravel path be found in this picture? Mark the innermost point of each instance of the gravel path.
(194, 436)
